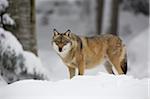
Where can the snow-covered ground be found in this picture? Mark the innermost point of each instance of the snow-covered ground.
(101, 86)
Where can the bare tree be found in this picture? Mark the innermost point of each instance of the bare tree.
(110, 23)
(114, 17)
(23, 12)
(99, 15)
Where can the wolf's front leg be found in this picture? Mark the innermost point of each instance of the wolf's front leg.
(81, 65)
(71, 72)
(81, 70)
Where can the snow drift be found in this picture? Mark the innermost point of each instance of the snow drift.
(102, 86)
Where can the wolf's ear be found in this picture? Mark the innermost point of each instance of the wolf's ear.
(55, 32)
(68, 33)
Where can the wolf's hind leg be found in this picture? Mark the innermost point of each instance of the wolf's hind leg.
(119, 59)
(108, 67)
(117, 65)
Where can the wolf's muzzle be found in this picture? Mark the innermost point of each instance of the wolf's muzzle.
(60, 49)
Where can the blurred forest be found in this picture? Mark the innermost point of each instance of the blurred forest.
(97, 16)
(34, 21)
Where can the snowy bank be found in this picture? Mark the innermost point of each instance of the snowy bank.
(102, 86)
(138, 55)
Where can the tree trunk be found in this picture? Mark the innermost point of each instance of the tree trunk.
(114, 17)
(23, 12)
(99, 15)
(111, 17)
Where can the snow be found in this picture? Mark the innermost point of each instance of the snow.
(104, 86)
(2, 82)
(3, 5)
(54, 64)
(16, 63)
(34, 65)
(8, 20)
(138, 55)
(9, 43)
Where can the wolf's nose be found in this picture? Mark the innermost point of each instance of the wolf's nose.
(60, 49)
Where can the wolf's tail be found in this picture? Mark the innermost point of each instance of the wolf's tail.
(124, 65)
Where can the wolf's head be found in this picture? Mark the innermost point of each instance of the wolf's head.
(62, 42)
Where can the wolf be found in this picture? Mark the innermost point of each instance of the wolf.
(78, 52)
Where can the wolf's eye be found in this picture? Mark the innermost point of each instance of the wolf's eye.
(57, 43)
(66, 42)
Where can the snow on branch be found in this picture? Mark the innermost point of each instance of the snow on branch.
(17, 64)
(7, 20)
(3, 5)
